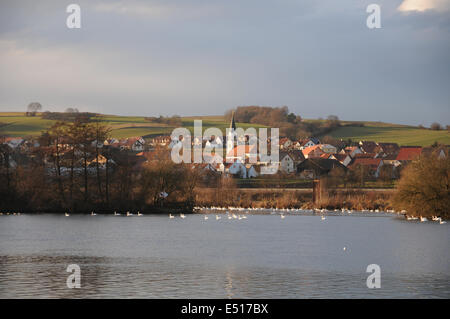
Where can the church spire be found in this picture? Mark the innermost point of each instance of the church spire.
(232, 124)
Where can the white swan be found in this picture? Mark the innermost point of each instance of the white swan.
(93, 214)
(66, 214)
(116, 214)
(282, 216)
(323, 217)
(423, 219)
(182, 216)
(218, 217)
(206, 217)
(171, 216)
(129, 214)
(442, 221)
(139, 214)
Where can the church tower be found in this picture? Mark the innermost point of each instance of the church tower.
(231, 134)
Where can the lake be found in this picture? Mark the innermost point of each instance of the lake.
(263, 256)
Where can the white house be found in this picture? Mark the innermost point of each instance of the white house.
(286, 163)
(251, 171)
(285, 143)
(344, 159)
(310, 142)
(237, 169)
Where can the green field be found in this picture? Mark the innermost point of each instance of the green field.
(17, 124)
(384, 132)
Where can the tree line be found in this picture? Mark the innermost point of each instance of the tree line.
(70, 169)
(290, 124)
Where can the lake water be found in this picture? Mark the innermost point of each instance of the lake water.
(262, 256)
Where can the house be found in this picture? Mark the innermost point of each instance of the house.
(373, 164)
(368, 146)
(289, 161)
(214, 142)
(286, 163)
(13, 142)
(134, 143)
(388, 149)
(285, 143)
(251, 171)
(344, 159)
(163, 140)
(309, 142)
(312, 151)
(205, 167)
(390, 160)
(351, 151)
(440, 152)
(316, 167)
(236, 169)
(408, 153)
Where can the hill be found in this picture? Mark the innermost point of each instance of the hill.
(17, 124)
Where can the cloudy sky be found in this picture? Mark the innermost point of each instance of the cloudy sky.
(202, 57)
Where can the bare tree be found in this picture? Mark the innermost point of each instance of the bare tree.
(32, 108)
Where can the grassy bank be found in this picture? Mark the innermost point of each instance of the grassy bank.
(281, 198)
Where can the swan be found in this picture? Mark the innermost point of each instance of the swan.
(323, 217)
(66, 214)
(139, 214)
(171, 216)
(218, 217)
(93, 214)
(129, 214)
(229, 217)
(282, 216)
(206, 217)
(435, 218)
(182, 216)
(442, 221)
(423, 219)
(244, 217)
(116, 214)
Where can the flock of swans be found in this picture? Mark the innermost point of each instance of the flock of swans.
(424, 219)
(242, 213)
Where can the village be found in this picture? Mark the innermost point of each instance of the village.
(303, 159)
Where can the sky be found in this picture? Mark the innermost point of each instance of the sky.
(203, 57)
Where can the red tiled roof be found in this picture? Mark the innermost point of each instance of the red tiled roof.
(310, 149)
(408, 153)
